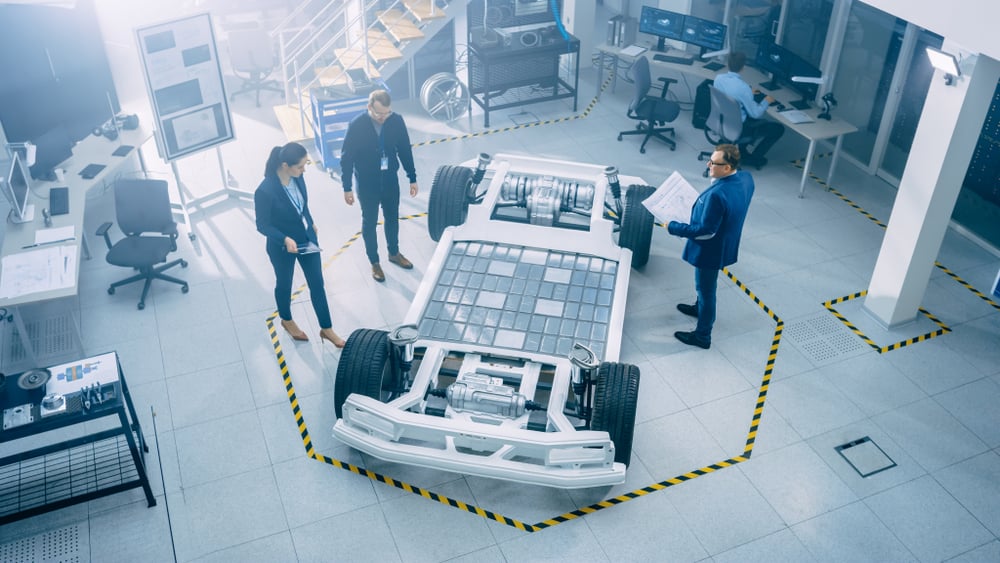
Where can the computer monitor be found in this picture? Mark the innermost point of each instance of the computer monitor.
(52, 147)
(664, 24)
(774, 59)
(707, 34)
(18, 190)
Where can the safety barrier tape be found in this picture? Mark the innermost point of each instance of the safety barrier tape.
(582, 115)
(895, 346)
(490, 515)
(968, 286)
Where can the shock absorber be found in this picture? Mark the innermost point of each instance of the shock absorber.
(477, 176)
(584, 364)
(611, 172)
(402, 338)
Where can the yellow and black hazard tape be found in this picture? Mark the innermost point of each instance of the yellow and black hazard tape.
(800, 162)
(856, 207)
(883, 349)
(750, 294)
(768, 368)
(490, 515)
(954, 276)
(765, 384)
(968, 286)
(632, 495)
(582, 115)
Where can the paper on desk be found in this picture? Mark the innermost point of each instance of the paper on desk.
(797, 116)
(38, 270)
(633, 50)
(43, 236)
(673, 200)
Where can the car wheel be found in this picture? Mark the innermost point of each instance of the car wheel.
(636, 232)
(363, 367)
(448, 204)
(615, 400)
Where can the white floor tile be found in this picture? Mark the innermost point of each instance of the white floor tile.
(929, 522)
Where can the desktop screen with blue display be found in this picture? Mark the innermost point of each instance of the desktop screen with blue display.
(783, 64)
(664, 24)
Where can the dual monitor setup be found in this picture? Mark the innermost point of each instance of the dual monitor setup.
(785, 67)
(664, 24)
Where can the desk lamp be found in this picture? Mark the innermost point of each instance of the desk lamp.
(804, 103)
(713, 54)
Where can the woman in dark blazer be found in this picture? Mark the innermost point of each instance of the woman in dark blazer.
(282, 207)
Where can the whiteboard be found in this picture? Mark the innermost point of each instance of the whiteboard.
(184, 81)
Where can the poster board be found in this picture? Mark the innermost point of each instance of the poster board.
(184, 80)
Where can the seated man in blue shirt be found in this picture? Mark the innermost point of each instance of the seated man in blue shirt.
(765, 133)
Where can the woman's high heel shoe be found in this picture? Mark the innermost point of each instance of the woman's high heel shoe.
(294, 330)
(328, 334)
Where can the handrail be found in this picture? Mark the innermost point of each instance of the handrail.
(280, 28)
(329, 20)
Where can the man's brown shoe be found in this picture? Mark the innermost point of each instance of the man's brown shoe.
(377, 273)
(401, 261)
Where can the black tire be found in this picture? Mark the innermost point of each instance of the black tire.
(448, 204)
(615, 400)
(636, 232)
(363, 367)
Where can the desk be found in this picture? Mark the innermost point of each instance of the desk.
(818, 130)
(93, 464)
(90, 150)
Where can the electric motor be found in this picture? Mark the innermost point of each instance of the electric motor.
(485, 394)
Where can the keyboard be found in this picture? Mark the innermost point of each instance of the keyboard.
(91, 170)
(671, 59)
(714, 66)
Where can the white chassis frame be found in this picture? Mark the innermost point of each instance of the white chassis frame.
(488, 445)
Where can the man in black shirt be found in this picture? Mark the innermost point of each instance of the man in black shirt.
(375, 145)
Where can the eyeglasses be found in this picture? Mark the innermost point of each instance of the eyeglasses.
(381, 113)
(713, 163)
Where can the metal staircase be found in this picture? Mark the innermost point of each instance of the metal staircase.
(321, 40)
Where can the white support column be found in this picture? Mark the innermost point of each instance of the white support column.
(578, 17)
(942, 148)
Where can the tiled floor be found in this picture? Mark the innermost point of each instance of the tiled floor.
(239, 485)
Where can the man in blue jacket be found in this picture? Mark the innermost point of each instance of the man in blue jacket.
(375, 145)
(713, 237)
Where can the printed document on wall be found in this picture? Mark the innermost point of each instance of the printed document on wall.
(673, 200)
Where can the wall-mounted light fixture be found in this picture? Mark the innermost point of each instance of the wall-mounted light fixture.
(946, 63)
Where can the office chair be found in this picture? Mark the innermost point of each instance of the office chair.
(725, 121)
(651, 110)
(251, 53)
(142, 208)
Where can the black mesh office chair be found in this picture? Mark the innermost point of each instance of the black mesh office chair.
(651, 110)
(142, 208)
(251, 53)
(725, 122)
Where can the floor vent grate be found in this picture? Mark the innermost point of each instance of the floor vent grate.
(55, 546)
(824, 338)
